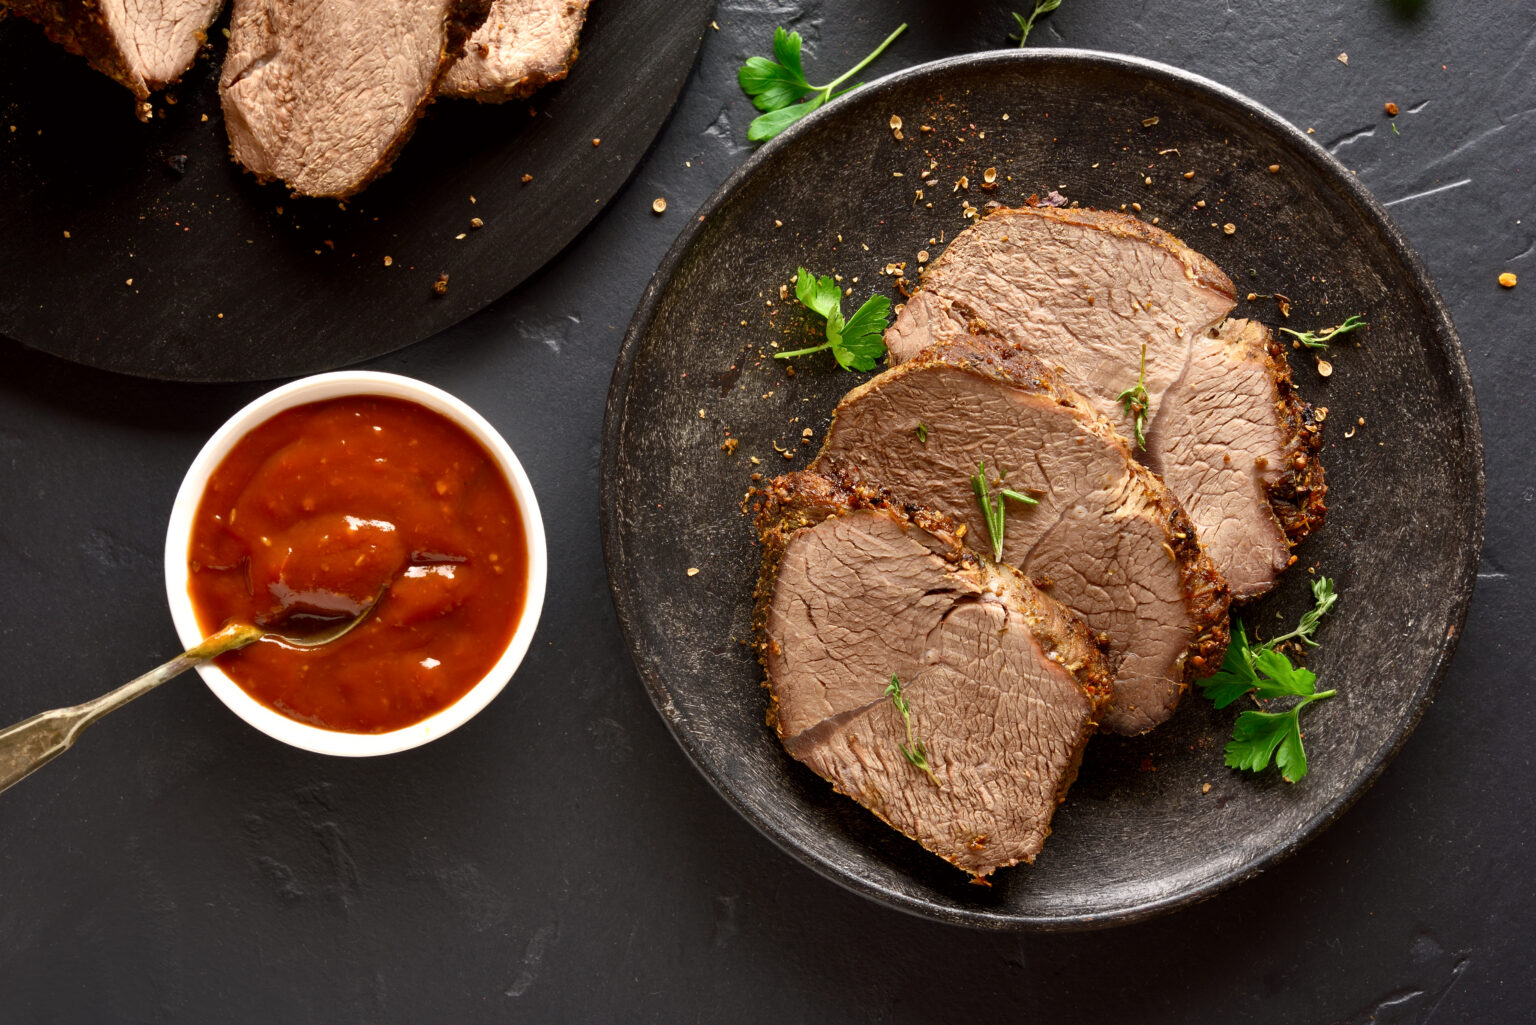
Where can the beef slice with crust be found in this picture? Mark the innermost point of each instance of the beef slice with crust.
(1083, 291)
(144, 46)
(1107, 539)
(1247, 471)
(1003, 684)
(323, 94)
(522, 46)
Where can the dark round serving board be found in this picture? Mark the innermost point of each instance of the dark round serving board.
(236, 281)
(1139, 833)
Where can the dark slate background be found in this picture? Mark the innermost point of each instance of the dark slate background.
(558, 859)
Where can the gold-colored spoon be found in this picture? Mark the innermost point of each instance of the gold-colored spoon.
(32, 743)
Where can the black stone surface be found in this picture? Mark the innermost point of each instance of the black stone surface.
(558, 859)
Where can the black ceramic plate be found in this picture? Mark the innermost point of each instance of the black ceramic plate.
(233, 281)
(1139, 832)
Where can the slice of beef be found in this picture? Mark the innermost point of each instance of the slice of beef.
(1002, 683)
(1107, 539)
(1247, 471)
(322, 94)
(1084, 291)
(143, 45)
(523, 46)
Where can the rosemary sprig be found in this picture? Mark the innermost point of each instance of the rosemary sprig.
(991, 511)
(1134, 399)
(992, 508)
(913, 750)
(1320, 339)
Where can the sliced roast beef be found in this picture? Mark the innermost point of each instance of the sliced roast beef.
(1087, 292)
(1106, 538)
(143, 44)
(322, 94)
(1247, 471)
(1002, 684)
(523, 45)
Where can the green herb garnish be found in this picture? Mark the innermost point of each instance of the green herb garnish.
(913, 749)
(1025, 24)
(922, 433)
(1263, 671)
(1320, 339)
(992, 508)
(778, 86)
(855, 343)
(1134, 399)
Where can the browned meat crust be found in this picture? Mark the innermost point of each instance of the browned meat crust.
(1299, 497)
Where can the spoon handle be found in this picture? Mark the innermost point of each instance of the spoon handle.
(34, 742)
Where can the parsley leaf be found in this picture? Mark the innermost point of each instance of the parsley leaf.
(864, 335)
(821, 294)
(856, 343)
(1236, 676)
(779, 87)
(1320, 339)
(1265, 672)
(1284, 678)
(1256, 735)
(1025, 24)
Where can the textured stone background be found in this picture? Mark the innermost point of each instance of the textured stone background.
(558, 859)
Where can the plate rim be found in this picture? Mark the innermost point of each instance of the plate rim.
(1445, 339)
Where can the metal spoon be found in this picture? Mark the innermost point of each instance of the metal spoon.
(32, 743)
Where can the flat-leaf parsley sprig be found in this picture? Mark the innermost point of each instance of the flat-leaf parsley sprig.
(1265, 672)
(1320, 339)
(857, 342)
(913, 750)
(778, 87)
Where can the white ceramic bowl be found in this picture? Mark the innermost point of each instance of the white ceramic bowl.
(178, 539)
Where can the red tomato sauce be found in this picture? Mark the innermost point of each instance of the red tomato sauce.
(318, 508)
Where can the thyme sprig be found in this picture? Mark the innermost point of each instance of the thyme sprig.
(1134, 399)
(1320, 339)
(913, 750)
(1025, 24)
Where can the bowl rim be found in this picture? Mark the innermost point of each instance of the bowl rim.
(318, 388)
